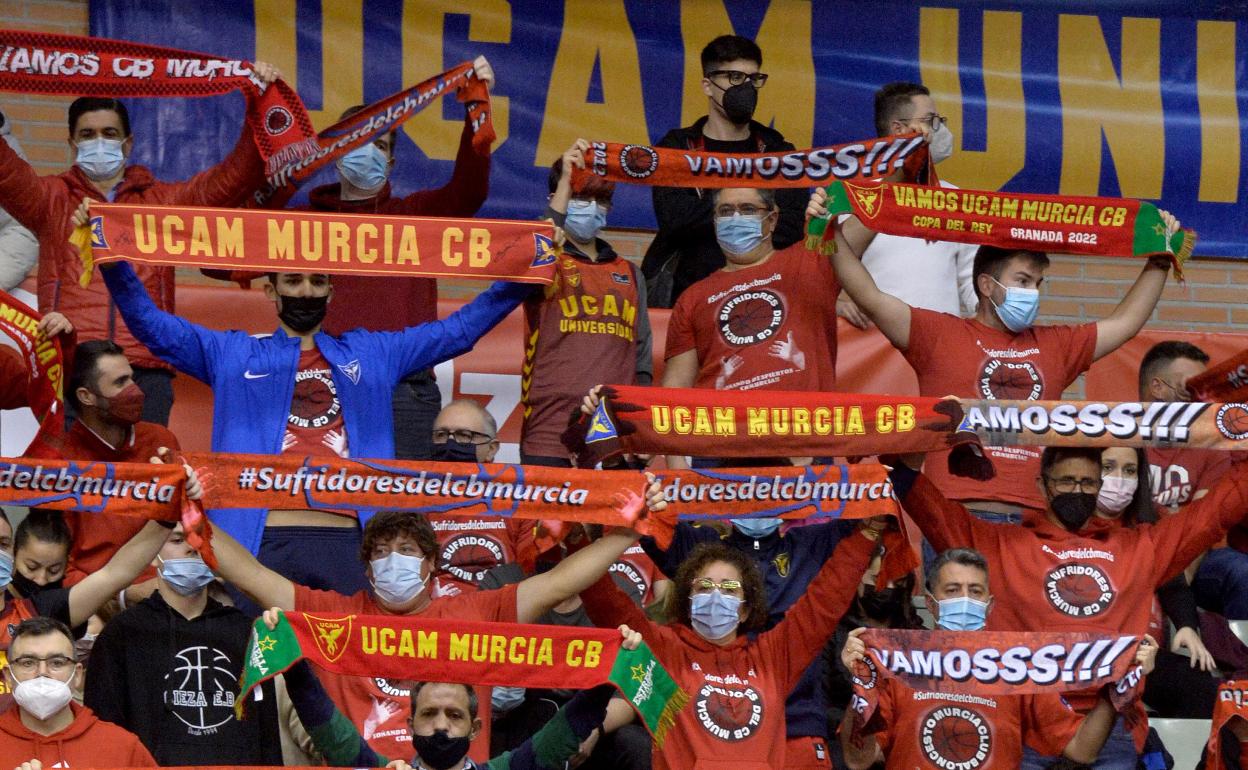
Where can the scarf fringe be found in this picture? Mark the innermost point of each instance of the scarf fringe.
(667, 719)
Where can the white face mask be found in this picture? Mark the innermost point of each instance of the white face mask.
(941, 144)
(1116, 493)
(100, 158)
(42, 696)
(397, 578)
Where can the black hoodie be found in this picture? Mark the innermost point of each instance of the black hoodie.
(172, 682)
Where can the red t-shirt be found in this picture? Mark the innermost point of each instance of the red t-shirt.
(920, 729)
(378, 707)
(469, 548)
(735, 717)
(769, 326)
(97, 536)
(315, 425)
(962, 357)
(1045, 578)
(639, 572)
(1178, 474)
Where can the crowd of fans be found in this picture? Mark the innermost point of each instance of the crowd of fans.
(124, 649)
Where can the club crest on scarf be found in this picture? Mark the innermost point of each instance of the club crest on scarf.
(601, 428)
(330, 634)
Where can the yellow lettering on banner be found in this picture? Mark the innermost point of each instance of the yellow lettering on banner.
(682, 420)
(621, 116)
(489, 21)
(452, 258)
(201, 241)
(884, 422)
(459, 646)
(281, 239)
(427, 644)
(479, 247)
(1219, 111)
(168, 224)
(582, 654)
(785, 37)
(230, 242)
(756, 421)
(1005, 144)
(661, 419)
(145, 238)
(342, 52)
(1126, 111)
(409, 250)
(905, 418)
(339, 242)
(363, 252)
(311, 241)
(725, 421)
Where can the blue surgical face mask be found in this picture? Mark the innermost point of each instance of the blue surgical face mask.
(756, 528)
(100, 158)
(1018, 311)
(6, 568)
(397, 578)
(739, 234)
(961, 613)
(714, 615)
(504, 699)
(366, 167)
(186, 576)
(584, 219)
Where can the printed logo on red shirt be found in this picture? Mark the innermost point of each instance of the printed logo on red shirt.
(1079, 590)
(956, 737)
(751, 317)
(634, 577)
(729, 713)
(469, 556)
(1010, 380)
(1171, 485)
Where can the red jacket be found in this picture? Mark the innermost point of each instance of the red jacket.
(44, 205)
(735, 716)
(87, 742)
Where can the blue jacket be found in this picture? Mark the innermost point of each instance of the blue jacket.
(788, 562)
(253, 379)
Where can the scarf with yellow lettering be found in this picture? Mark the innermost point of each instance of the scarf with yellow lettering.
(711, 423)
(45, 363)
(668, 167)
(410, 647)
(317, 242)
(1224, 381)
(964, 666)
(1107, 227)
(380, 117)
(46, 63)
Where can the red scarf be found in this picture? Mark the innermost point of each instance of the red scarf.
(45, 364)
(46, 63)
(1232, 702)
(667, 167)
(1224, 381)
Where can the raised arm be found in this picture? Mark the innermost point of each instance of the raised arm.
(1134, 309)
(335, 736)
(887, 312)
(238, 566)
(538, 594)
(944, 523)
(1197, 526)
(462, 196)
(88, 595)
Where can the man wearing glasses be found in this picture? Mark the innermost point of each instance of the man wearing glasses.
(47, 729)
(684, 250)
(935, 275)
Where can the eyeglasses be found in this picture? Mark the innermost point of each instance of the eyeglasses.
(725, 210)
(934, 121)
(726, 586)
(29, 664)
(737, 77)
(1181, 393)
(1069, 484)
(461, 435)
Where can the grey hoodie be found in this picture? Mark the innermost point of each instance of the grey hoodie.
(19, 250)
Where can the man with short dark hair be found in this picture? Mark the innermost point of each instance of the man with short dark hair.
(46, 728)
(99, 135)
(684, 250)
(935, 275)
(898, 734)
(997, 353)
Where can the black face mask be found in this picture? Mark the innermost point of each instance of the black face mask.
(29, 588)
(880, 604)
(1073, 509)
(302, 314)
(454, 452)
(739, 102)
(440, 751)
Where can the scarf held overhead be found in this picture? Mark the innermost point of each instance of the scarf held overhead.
(45, 63)
(667, 167)
(384, 116)
(45, 363)
(1224, 381)
(405, 647)
(1107, 227)
(973, 664)
(699, 422)
(318, 242)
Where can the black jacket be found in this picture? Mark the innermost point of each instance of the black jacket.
(686, 226)
(172, 682)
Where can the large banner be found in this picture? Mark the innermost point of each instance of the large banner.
(1075, 97)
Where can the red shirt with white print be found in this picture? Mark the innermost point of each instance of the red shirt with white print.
(639, 572)
(315, 425)
(469, 548)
